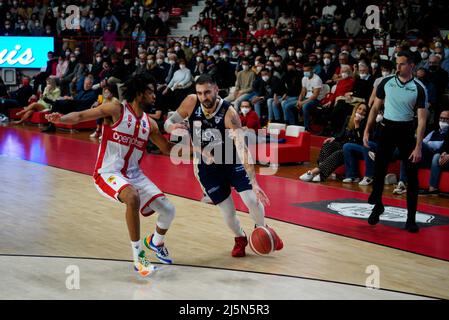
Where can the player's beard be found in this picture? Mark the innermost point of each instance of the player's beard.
(209, 104)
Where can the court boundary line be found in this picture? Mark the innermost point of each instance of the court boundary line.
(220, 268)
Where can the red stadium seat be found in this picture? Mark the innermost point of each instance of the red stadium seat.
(12, 113)
(39, 118)
(295, 149)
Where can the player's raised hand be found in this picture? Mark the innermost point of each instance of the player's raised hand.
(261, 196)
(53, 117)
(179, 129)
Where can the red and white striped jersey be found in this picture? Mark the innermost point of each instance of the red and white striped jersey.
(123, 144)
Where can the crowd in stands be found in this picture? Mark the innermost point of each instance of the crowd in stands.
(297, 62)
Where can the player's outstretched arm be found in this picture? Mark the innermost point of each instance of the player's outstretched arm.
(105, 110)
(158, 139)
(176, 119)
(232, 122)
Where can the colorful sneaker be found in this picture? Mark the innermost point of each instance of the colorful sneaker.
(144, 267)
(278, 243)
(351, 180)
(161, 251)
(239, 247)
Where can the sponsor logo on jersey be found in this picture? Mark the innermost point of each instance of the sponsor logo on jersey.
(126, 140)
(112, 180)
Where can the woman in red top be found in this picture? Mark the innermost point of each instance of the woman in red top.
(249, 117)
(344, 85)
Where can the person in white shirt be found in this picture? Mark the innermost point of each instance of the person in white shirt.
(310, 94)
(179, 86)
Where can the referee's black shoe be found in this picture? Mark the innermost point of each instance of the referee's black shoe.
(375, 214)
(411, 227)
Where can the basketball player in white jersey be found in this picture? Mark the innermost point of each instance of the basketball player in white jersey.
(117, 173)
(211, 120)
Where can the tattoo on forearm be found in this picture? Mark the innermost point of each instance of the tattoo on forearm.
(244, 154)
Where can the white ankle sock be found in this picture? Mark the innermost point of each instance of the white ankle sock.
(158, 239)
(137, 248)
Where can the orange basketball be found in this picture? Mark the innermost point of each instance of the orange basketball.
(261, 241)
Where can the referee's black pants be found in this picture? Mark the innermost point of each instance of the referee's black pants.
(394, 135)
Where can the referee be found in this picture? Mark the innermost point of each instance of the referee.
(402, 96)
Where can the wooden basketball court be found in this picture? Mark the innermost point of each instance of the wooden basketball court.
(53, 218)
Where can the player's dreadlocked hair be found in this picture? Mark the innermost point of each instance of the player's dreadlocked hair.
(137, 85)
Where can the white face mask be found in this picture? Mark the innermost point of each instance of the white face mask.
(327, 61)
(159, 61)
(172, 62)
(363, 76)
(379, 118)
(344, 75)
(277, 64)
(359, 116)
(199, 59)
(245, 67)
(444, 126)
(245, 111)
(182, 66)
(98, 59)
(374, 65)
(424, 55)
(385, 73)
(265, 78)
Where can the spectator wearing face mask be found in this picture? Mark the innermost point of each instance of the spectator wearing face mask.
(424, 53)
(353, 152)
(160, 71)
(110, 19)
(443, 53)
(331, 153)
(309, 98)
(361, 92)
(248, 117)
(51, 92)
(243, 85)
(327, 68)
(435, 152)
(179, 86)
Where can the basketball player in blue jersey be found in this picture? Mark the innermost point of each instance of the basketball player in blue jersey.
(214, 125)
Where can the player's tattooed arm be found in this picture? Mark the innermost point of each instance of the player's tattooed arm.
(232, 122)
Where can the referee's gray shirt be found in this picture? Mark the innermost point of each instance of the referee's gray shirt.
(401, 99)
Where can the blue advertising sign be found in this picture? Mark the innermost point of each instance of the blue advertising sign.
(25, 52)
